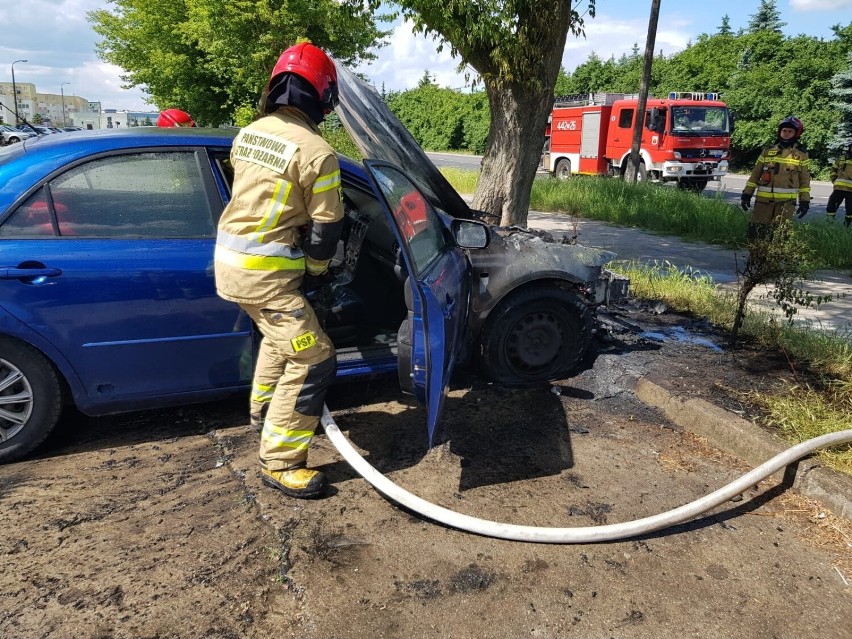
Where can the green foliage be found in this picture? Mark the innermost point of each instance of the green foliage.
(443, 119)
(767, 18)
(841, 91)
(501, 40)
(334, 133)
(211, 57)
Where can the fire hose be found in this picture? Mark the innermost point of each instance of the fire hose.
(577, 535)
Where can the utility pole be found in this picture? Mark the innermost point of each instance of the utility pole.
(64, 122)
(632, 172)
(15, 90)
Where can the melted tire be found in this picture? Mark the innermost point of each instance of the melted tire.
(26, 374)
(535, 336)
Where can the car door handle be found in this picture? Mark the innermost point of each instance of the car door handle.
(14, 273)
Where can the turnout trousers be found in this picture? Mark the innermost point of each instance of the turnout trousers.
(295, 366)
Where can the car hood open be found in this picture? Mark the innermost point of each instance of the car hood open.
(379, 135)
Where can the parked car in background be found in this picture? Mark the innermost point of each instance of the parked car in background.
(11, 135)
(108, 301)
(34, 130)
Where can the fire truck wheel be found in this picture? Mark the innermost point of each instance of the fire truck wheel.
(563, 169)
(641, 176)
(535, 335)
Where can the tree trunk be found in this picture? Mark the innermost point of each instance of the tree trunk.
(513, 152)
(519, 110)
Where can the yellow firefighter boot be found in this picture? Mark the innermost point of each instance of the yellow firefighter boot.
(299, 482)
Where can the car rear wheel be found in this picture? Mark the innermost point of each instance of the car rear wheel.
(536, 335)
(30, 399)
(14, 139)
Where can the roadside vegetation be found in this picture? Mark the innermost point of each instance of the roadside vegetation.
(666, 210)
(820, 401)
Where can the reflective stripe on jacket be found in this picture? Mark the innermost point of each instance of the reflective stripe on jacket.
(841, 174)
(286, 181)
(781, 174)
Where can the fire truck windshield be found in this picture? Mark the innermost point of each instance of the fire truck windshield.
(694, 120)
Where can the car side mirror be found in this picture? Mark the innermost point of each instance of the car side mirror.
(471, 234)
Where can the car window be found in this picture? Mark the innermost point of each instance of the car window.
(134, 195)
(417, 220)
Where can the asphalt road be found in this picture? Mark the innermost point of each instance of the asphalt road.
(729, 188)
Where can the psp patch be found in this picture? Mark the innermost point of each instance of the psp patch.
(303, 342)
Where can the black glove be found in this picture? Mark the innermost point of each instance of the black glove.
(803, 209)
(745, 202)
(313, 283)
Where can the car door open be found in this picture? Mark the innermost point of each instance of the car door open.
(437, 293)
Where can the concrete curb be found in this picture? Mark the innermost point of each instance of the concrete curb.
(748, 442)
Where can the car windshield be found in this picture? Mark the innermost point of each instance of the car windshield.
(700, 120)
(379, 135)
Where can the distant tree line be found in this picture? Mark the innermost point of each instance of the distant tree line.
(762, 74)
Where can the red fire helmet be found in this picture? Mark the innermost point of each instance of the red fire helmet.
(312, 64)
(174, 117)
(792, 122)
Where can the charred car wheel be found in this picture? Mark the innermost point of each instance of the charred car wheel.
(30, 399)
(536, 335)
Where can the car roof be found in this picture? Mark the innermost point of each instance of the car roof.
(27, 163)
(24, 164)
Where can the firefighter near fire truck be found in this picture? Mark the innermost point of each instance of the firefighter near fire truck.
(841, 178)
(780, 178)
(275, 242)
(686, 137)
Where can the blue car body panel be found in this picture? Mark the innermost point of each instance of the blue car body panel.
(132, 323)
(440, 289)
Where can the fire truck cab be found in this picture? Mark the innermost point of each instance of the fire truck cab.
(686, 137)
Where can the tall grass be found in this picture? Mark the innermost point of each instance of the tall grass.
(665, 210)
(644, 205)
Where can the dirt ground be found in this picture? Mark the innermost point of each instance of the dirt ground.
(156, 525)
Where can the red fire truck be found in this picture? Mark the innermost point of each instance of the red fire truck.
(686, 137)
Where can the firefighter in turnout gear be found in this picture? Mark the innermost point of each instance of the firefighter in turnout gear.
(841, 178)
(276, 236)
(779, 178)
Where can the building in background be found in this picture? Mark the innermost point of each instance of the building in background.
(47, 108)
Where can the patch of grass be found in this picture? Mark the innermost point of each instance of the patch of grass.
(804, 412)
(462, 180)
(800, 412)
(688, 290)
(644, 205)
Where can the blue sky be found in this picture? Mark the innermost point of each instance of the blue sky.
(59, 44)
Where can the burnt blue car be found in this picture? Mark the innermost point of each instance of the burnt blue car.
(108, 301)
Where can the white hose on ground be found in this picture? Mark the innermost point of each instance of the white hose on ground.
(582, 535)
